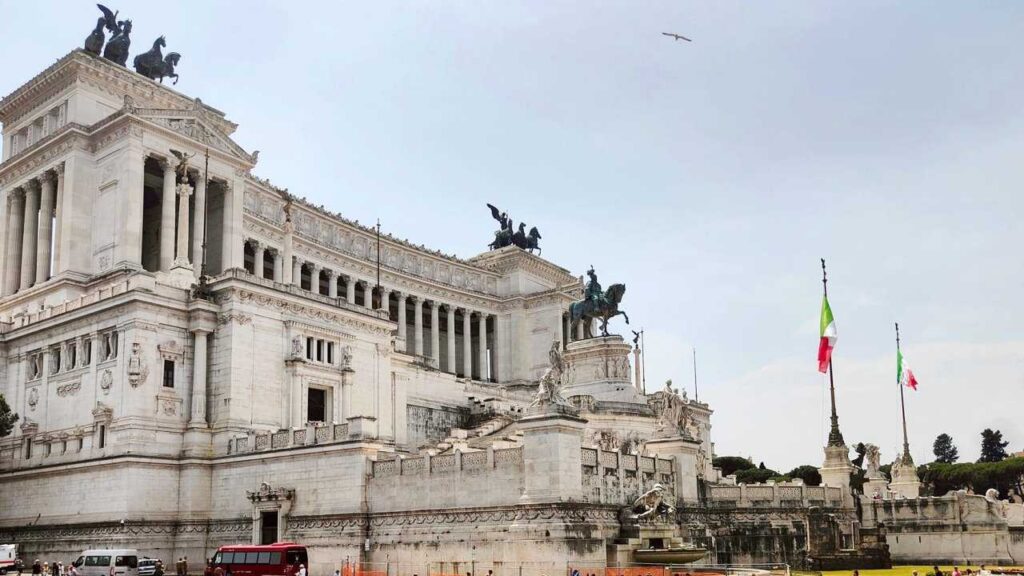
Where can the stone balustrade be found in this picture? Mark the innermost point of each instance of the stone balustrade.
(449, 463)
(17, 321)
(613, 478)
(787, 495)
(312, 434)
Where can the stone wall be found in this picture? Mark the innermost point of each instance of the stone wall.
(617, 479)
(448, 481)
(773, 495)
(433, 424)
(955, 528)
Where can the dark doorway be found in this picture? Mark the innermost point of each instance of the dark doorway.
(268, 527)
(315, 405)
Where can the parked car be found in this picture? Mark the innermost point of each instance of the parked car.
(108, 562)
(147, 566)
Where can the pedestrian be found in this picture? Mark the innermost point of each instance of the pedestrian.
(55, 569)
(302, 570)
(177, 567)
(37, 568)
(73, 570)
(936, 571)
(982, 571)
(158, 568)
(184, 566)
(956, 571)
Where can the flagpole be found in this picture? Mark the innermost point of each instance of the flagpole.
(643, 362)
(903, 407)
(835, 437)
(696, 397)
(382, 303)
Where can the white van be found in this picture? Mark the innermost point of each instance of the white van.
(8, 558)
(109, 562)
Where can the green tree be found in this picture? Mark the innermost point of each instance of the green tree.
(731, 464)
(809, 474)
(755, 475)
(993, 447)
(7, 417)
(944, 450)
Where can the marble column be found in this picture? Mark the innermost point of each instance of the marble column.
(43, 244)
(368, 295)
(15, 223)
(497, 345)
(28, 236)
(467, 343)
(278, 266)
(401, 320)
(227, 247)
(199, 227)
(181, 250)
(287, 253)
(167, 218)
(314, 278)
(259, 250)
(332, 283)
(450, 310)
(435, 333)
(350, 290)
(297, 272)
(484, 373)
(417, 321)
(198, 418)
(385, 300)
(579, 330)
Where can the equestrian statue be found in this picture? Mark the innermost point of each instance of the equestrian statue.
(154, 65)
(597, 304)
(505, 236)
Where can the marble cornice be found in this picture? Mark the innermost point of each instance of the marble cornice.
(380, 328)
(80, 66)
(42, 155)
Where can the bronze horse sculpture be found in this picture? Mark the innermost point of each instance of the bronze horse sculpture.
(120, 41)
(154, 65)
(604, 309)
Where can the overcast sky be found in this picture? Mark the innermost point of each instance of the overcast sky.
(709, 177)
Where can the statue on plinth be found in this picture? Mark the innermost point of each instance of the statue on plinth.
(550, 391)
(597, 304)
(673, 411)
(651, 504)
(181, 169)
(872, 456)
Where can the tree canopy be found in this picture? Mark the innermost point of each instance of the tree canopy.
(993, 447)
(7, 417)
(944, 450)
(730, 464)
(809, 474)
(1004, 476)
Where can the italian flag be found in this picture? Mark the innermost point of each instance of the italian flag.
(828, 336)
(903, 374)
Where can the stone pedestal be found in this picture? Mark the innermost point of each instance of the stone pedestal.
(362, 427)
(836, 471)
(552, 457)
(876, 488)
(599, 367)
(905, 482)
(684, 454)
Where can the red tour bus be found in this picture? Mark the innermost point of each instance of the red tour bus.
(279, 559)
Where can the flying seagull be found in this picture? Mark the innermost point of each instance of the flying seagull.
(676, 36)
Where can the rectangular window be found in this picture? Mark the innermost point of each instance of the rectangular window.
(309, 348)
(275, 558)
(28, 448)
(87, 352)
(72, 356)
(49, 449)
(228, 558)
(168, 373)
(81, 442)
(97, 561)
(102, 436)
(55, 361)
(330, 353)
(251, 557)
(319, 350)
(264, 558)
(315, 407)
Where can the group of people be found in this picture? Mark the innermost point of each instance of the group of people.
(53, 569)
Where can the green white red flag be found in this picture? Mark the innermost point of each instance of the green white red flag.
(903, 374)
(828, 336)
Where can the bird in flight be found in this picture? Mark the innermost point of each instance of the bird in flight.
(676, 36)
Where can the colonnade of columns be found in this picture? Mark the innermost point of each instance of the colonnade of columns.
(372, 297)
(31, 210)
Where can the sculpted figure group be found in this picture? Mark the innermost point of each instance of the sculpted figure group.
(506, 236)
(153, 64)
